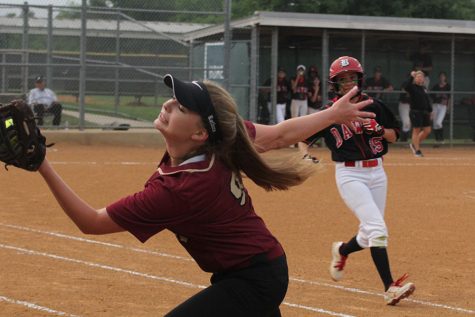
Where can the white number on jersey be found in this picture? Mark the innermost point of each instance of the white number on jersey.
(237, 189)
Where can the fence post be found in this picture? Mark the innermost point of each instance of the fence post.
(227, 43)
(117, 61)
(452, 85)
(325, 66)
(24, 47)
(273, 73)
(49, 48)
(254, 74)
(82, 65)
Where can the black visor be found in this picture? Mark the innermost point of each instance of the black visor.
(195, 97)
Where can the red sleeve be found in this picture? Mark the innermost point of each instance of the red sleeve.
(251, 129)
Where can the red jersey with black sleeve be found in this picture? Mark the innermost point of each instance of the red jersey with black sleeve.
(207, 208)
(348, 144)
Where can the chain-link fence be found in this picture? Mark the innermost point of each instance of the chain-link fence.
(105, 64)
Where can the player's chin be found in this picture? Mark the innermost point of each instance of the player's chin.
(158, 124)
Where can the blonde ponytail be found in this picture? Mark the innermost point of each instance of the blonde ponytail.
(236, 150)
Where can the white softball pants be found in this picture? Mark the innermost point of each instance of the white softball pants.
(298, 108)
(404, 114)
(280, 112)
(364, 189)
(438, 111)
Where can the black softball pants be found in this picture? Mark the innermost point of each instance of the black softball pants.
(255, 291)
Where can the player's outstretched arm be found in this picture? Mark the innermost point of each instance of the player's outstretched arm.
(86, 218)
(297, 129)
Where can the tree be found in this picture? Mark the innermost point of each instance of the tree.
(436, 9)
(166, 10)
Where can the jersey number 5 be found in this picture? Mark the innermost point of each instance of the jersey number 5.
(237, 189)
(376, 145)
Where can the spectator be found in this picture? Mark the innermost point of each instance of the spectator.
(420, 112)
(44, 100)
(378, 83)
(440, 103)
(283, 94)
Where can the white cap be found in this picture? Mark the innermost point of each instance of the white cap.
(301, 66)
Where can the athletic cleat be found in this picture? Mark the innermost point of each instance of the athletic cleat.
(308, 157)
(338, 262)
(396, 291)
(413, 149)
(419, 153)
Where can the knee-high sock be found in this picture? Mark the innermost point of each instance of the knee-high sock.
(381, 260)
(350, 247)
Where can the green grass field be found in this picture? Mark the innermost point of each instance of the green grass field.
(147, 109)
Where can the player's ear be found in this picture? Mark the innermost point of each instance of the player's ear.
(200, 135)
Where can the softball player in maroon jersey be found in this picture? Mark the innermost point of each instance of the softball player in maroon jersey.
(198, 194)
(361, 180)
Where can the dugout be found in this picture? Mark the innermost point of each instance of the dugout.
(274, 39)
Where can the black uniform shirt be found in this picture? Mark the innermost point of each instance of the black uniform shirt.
(419, 99)
(349, 144)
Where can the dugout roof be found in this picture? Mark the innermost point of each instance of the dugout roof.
(342, 22)
(99, 28)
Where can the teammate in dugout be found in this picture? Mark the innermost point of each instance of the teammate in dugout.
(361, 180)
(198, 194)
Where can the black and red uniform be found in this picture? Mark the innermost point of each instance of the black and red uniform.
(348, 144)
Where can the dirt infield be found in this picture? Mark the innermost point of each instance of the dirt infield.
(49, 268)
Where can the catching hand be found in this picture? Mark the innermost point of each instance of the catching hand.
(21, 142)
(348, 111)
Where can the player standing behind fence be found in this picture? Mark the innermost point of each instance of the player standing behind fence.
(440, 105)
(299, 85)
(314, 105)
(283, 93)
(420, 112)
(361, 180)
(198, 194)
(404, 109)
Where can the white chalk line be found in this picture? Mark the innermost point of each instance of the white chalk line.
(360, 291)
(101, 266)
(149, 276)
(112, 245)
(35, 306)
(317, 310)
(348, 289)
(470, 194)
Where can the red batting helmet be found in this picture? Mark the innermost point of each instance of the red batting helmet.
(345, 64)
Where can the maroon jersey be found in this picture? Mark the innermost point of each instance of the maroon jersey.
(205, 205)
(348, 144)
